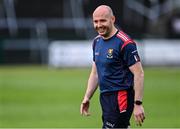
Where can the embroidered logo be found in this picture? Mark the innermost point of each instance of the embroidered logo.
(110, 53)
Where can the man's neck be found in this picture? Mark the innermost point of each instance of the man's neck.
(113, 32)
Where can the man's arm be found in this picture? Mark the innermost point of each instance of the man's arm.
(91, 88)
(138, 72)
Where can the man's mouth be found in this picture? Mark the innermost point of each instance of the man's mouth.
(101, 30)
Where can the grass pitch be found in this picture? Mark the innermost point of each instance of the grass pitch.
(38, 97)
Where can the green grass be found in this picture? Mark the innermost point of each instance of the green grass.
(39, 97)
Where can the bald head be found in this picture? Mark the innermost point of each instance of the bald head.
(103, 10)
(103, 20)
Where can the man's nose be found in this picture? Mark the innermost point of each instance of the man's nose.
(99, 24)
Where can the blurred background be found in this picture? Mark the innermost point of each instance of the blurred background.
(46, 54)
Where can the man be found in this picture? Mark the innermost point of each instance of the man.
(117, 70)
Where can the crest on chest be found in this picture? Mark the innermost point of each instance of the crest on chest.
(110, 53)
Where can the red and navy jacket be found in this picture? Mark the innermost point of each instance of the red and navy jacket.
(113, 57)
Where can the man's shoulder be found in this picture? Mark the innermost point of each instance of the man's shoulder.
(95, 40)
(97, 37)
(123, 36)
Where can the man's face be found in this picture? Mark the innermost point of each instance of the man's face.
(103, 24)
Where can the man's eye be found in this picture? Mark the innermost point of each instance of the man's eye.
(103, 20)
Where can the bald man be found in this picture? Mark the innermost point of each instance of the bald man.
(118, 72)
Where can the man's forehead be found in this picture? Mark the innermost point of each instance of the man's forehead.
(101, 11)
(101, 14)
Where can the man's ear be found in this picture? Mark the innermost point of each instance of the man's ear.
(113, 19)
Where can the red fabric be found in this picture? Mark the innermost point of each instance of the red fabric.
(122, 100)
(123, 36)
(126, 43)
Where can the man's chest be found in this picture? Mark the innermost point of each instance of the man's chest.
(107, 53)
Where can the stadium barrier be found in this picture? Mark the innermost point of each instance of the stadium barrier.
(153, 52)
